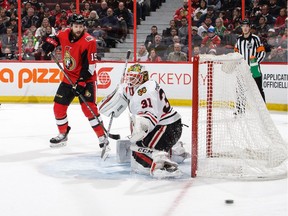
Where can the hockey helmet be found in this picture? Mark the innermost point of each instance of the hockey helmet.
(136, 75)
(245, 22)
(211, 29)
(77, 19)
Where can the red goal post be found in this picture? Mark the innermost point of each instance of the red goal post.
(233, 135)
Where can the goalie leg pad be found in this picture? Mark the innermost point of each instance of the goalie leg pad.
(123, 152)
(163, 167)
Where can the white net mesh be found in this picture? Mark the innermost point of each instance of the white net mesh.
(236, 135)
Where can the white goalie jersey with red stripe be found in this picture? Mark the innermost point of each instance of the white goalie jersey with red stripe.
(149, 101)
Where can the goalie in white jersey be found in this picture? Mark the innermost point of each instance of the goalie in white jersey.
(156, 126)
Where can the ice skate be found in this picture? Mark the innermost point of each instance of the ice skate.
(60, 140)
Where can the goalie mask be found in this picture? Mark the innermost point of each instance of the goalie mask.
(136, 75)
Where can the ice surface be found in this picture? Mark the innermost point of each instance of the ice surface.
(72, 181)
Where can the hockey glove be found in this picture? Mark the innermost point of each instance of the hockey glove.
(79, 87)
(49, 45)
(141, 128)
(103, 141)
(254, 67)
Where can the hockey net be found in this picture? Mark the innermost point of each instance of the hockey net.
(233, 135)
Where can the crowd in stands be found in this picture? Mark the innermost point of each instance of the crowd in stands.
(216, 24)
(109, 21)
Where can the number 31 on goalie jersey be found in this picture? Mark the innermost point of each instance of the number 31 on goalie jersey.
(162, 100)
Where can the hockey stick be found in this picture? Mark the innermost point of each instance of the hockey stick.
(105, 149)
(112, 136)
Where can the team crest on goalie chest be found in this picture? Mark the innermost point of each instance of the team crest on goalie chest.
(141, 91)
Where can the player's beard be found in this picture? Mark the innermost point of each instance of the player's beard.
(76, 35)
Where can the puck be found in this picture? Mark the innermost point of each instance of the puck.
(229, 201)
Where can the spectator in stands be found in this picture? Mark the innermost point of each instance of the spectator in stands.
(183, 30)
(262, 27)
(58, 53)
(283, 40)
(204, 26)
(8, 54)
(142, 54)
(110, 25)
(9, 40)
(211, 41)
(112, 3)
(196, 51)
(202, 9)
(12, 9)
(159, 47)
(215, 3)
(167, 32)
(41, 31)
(181, 12)
(196, 39)
(150, 39)
(86, 11)
(14, 25)
(169, 40)
(222, 15)
(277, 55)
(63, 20)
(4, 17)
(56, 13)
(170, 48)
(72, 9)
(123, 17)
(102, 11)
(92, 22)
(265, 12)
(210, 14)
(228, 41)
(153, 57)
(219, 27)
(29, 20)
(177, 55)
(280, 20)
(28, 50)
(2, 26)
(274, 9)
(27, 5)
(35, 4)
(271, 41)
(29, 37)
(236, 16)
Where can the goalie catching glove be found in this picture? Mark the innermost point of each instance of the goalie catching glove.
(141, 127)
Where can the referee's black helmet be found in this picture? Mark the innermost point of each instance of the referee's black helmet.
(246, 22)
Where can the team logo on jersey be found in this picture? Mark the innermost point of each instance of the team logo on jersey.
(69, 61)
(142, 91)
(89, 38)
(249, 45)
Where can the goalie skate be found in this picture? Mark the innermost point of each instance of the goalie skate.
(60, 140)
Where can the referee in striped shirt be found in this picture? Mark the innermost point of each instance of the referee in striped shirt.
(250, 46)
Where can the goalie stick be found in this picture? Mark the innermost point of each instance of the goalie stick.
(112, 136)
(105, 149)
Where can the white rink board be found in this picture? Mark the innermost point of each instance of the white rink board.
(42, 79)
